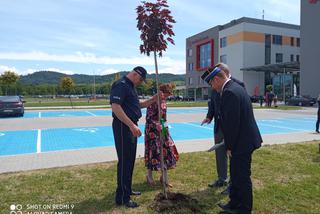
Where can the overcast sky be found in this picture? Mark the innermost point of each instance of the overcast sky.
(100, 36)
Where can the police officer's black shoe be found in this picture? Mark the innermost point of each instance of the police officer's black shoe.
(135, 193)
(131, 204)
(229, 206)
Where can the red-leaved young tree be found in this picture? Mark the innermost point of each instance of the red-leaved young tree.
(155, 24)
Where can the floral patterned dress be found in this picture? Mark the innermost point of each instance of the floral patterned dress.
(152, 141)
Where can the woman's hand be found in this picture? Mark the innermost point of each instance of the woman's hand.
(159, 127)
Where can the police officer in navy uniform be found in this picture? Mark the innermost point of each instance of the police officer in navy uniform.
(241, 136)
(126, 111)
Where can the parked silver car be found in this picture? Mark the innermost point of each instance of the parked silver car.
(11, 105)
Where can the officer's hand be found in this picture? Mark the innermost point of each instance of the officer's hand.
(155, 98)
(135, 131)
(206, 120)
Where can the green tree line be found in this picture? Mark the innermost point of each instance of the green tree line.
(9, 85)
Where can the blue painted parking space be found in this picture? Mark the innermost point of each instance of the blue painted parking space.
(104, 112)
(64, 114)
(287, 125)
(76, 138)
(22, 142)
(18, 142)
(91, 137)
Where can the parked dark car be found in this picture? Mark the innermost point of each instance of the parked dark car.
(256, 98)
(187, 99)
(175, 98)
(301, 101)
(11, 105)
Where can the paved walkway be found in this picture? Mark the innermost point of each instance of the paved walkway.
(103, 154)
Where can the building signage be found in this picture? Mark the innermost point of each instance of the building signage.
(313, 1)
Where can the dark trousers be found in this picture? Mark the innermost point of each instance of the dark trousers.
(126, 146)
(221, 157)
(318, 121)
(241, 188)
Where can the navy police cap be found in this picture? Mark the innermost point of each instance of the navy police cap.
(210, 73)
(141, 71)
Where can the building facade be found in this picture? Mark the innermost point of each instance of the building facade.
(245, 42)
(202, 51)
(310, 47)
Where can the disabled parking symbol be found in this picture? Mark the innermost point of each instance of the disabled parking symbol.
(91, 130)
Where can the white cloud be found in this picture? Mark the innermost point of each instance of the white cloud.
(4, 68)
(32, 70)
(108, 71)
(177, 67)
(170, 65)
(78, 57)
(60, 70)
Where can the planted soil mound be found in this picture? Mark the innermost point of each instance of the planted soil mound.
(176, 203)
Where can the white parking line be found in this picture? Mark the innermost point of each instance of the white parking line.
(269, 120)
(91, 113)
(284, 127)
(39, 141)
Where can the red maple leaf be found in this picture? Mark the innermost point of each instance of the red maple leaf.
(155, 23)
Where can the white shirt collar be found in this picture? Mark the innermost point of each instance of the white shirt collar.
(224, 85)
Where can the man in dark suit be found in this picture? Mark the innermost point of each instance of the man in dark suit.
(241, 136)
(221, 153)
(318, 118)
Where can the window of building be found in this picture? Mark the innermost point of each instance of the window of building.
(298, 58)
(190, 67)
(190, 80)
(189, 52)
(279, 57)
(291, 58)
(204, 56)
(267, 49)
(292, 41)
(223, 59)
(298, 42)
(223, 42)
(276, 39)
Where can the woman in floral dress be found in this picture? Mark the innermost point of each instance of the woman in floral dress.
(152, 139)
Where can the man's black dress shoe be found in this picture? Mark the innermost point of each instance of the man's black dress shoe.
(226, 191)
(228, 206)
(225, 212)
(218, 183)
(130, 204)
(135, 193)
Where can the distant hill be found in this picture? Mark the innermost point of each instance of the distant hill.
(51, 77)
